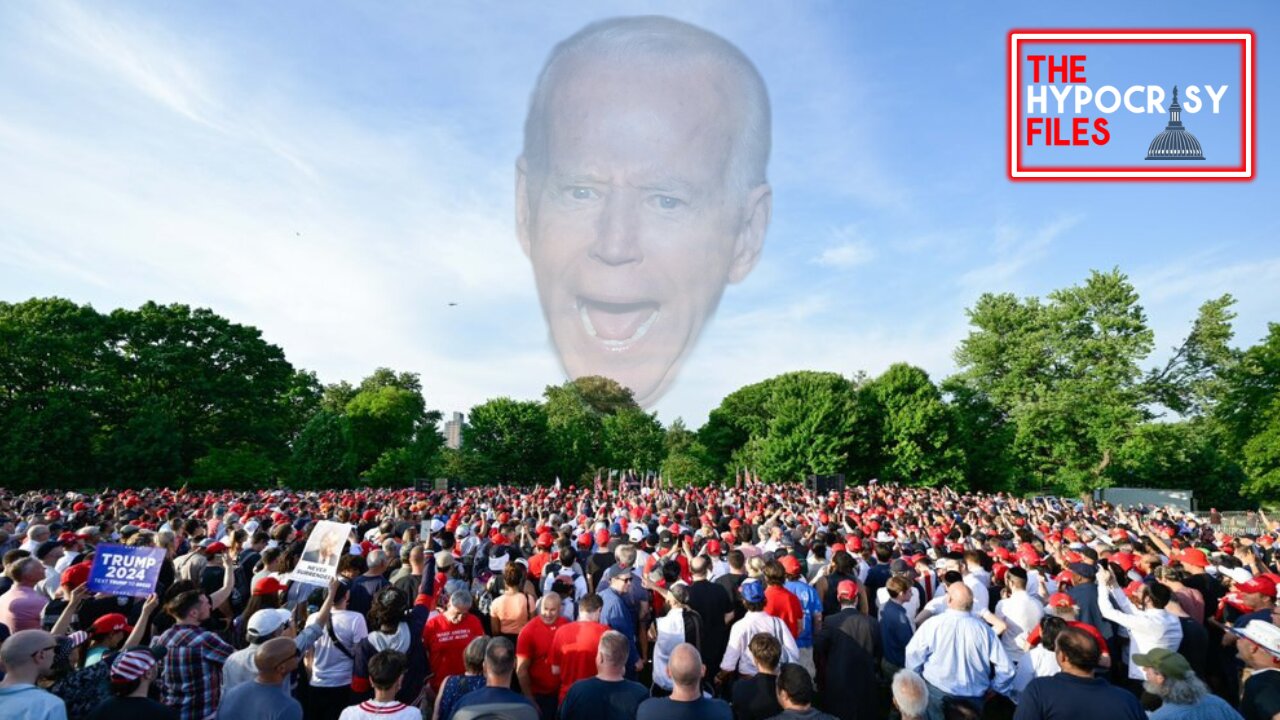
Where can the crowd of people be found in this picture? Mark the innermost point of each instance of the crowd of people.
(637, 601)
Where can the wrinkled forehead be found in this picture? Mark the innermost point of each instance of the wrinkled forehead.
(643, 118)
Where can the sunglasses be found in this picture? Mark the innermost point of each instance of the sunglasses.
(43, 650)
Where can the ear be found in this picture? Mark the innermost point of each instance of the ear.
(522, 204)
(750, 241)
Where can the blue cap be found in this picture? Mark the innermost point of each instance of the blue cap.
(752, 591)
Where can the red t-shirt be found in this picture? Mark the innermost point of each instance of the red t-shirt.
(784, 605)
(445, 643)
(538, 563)
(573, 650)
(534, 642)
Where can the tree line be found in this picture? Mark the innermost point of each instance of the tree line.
(1053, 395)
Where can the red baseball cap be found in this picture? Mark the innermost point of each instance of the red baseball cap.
(846, 589)
(1061, 600)
(1194, 557)
(76, 575)
(713, 547)
(111, 622)
(602, 537)
(268, 586)
(544, 540)
(1261, 585)
(215, 548)
(790, 564)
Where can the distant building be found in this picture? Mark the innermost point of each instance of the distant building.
(453, 431)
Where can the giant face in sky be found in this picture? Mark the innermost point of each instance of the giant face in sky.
(641, 193)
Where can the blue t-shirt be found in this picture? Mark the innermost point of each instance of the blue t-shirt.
(1210, 707)
(491, 696)
(596, 699)
(810, 603)
(256, 701)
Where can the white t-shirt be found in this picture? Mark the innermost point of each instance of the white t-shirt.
(330, 666)
(670, 634)
(374, 710)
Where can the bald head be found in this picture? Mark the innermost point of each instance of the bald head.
(959, 597)
(685, 666)
(25, 649)
(274, 653)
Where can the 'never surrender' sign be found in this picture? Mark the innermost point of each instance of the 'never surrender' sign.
(124, 570)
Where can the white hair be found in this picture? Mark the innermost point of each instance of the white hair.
(910, 694)
(647, 40)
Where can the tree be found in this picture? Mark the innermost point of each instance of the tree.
(919, 443)
(739, 417)
(323, 455)
(1186, 455)
(811, 418)
(1191, 381)
(985, 434)
(1067, 374)
(633, 439)
(506, 441)
(242, 466)
(1249, 413)
(575, 421)
(383, 418)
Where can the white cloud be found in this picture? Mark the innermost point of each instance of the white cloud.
(847, 250)
(1015, 249)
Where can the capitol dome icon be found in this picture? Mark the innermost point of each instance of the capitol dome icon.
(1175, 143)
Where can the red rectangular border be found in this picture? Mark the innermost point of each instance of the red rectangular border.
(1248, 119)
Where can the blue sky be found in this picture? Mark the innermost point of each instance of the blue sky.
(337, 174)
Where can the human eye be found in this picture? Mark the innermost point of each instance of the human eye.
(581, 192)
(666, 202)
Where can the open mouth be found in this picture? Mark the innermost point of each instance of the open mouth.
(617, 325)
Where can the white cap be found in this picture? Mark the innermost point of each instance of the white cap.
(1263, 633)
(265, 623)
(635, 533)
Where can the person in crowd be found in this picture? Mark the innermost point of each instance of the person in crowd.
(268, 624)
(496, 698)
(1076, 692)
(333, 656)
(680, 624)
(617, 611)
(22, 605)
(264, 594)
(781, 602)
(447, 635)
(810, 605)
(896, 623)
(455, 686)
(756, 697)
(1183, 696)
(266, 697)
(511, 610)
(796, 694)
(959, 656)
(191, 674)
(132, 673)
(849, 651)
(910, 695)
(27, 657)
(609, 695)
(533, 656)
(1020, 613)
(1150, 625)
(1258, 645)
(687, 700)
(106, 634)
(386, 673)
(714, 606)
(574, 647)
(737, 658)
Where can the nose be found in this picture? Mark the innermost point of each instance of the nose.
(617, 231)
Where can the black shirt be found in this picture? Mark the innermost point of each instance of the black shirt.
(594, 698)
(1068, 697)
(756, 697)
(668, 709)
(1261, 695)
(133, 708)
(712, 602)
(731, 583)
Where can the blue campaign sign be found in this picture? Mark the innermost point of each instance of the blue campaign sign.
(123, 570)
